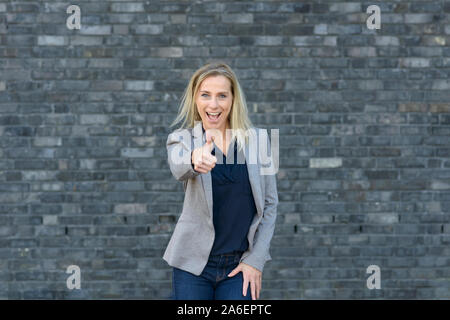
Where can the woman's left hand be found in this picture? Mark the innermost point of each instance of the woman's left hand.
(251, 275)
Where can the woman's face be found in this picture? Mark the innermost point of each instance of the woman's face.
(214, 100)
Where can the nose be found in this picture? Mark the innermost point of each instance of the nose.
(214, 103)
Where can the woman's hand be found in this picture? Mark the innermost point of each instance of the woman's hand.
(251, 275)
(202, 159)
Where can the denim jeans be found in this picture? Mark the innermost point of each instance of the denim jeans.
(213, 283)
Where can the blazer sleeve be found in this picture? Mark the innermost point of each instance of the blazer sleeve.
(259, 254)
(179, 143)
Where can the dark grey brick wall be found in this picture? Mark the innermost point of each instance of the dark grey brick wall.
(364, 120)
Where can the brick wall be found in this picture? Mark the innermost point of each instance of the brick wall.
(364, 120)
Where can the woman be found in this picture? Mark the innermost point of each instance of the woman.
(221, 240)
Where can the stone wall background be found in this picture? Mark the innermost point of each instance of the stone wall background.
(364, 120)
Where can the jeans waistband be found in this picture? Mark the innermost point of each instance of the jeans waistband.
(233, 253)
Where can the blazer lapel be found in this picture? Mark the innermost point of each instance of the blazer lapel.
(255, 182)
(207, 187)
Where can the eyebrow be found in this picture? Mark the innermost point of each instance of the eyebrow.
(217, 92)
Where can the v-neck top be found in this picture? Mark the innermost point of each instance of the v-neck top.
(233, 203)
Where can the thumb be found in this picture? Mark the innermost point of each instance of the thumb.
(209, 143)
(235, 271)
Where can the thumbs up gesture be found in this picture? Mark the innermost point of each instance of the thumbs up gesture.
(202, 159)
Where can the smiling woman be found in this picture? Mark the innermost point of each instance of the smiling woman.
(221, 241)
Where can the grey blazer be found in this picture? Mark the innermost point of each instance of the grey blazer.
(193, 237)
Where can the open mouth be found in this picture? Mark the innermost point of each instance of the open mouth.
(213, 116)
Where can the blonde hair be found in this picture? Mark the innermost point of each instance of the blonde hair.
(239, 120)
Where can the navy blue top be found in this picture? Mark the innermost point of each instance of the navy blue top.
(233, 204)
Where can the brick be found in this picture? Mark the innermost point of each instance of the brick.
(47, 142)
(387, 218)
(345, 7)
(120, 29)
(148, 29)
(435, 41)
(268, 41)
(86, 41)
(415, 62)
(127, 7)
(95, 30)
(413, 107)
(94, 119)
(386, 41)
(314, 41)
(107, 85)
(418, 18)
(426, 51)
(344, 29)
(362, 52)
(441, 85)
(237, 18)
(52, 41)
(440, 107)
(169, 52)
(321, 29)
(325, 163)
(139, 85)
(50, 220)
(137, 152)
(104, 63)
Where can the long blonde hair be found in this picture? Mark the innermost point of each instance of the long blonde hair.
(239, 120)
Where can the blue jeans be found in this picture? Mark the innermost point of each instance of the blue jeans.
(213, 283)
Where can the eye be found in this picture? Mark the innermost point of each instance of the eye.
(223, 96)
(204, 94)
